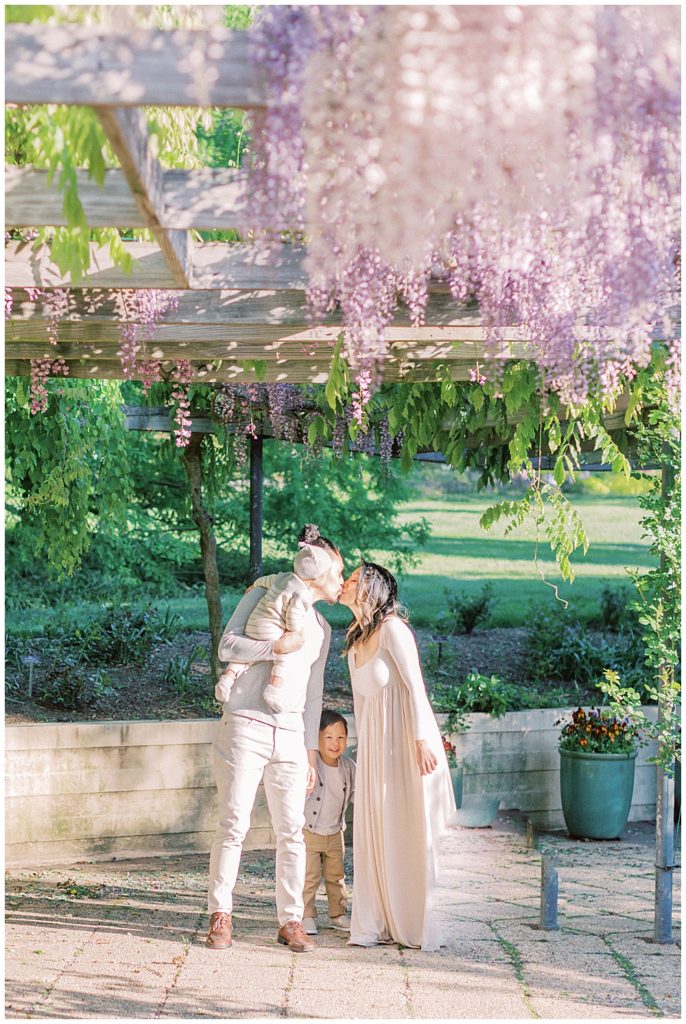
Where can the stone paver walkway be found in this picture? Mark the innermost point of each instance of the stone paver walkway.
(125, 939)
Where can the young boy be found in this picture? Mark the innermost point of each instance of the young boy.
(325, 824)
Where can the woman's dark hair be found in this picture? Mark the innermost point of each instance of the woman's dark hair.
(377, 598)
(330, 718)
(310, 535)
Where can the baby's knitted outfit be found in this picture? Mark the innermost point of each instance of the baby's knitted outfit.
(284, 607)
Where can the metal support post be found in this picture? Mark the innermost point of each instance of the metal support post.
(256, 482)
(664, 812)
(664, 857)
(549, 888)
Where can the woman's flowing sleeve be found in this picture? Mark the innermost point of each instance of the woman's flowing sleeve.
(401, 645)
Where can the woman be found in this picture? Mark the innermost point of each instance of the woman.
(404, 796)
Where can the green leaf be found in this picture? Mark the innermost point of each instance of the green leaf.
(476, 397)
(559, 472)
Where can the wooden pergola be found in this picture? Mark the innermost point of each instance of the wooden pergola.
(237, 307)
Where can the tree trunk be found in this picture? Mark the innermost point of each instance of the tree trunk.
(192, 461)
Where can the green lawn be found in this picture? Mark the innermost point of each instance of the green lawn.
(461, 556)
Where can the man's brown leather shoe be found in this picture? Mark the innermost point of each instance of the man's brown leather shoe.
(219, 935)
(293, 936)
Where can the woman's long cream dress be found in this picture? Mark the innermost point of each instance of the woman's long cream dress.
(400, 815)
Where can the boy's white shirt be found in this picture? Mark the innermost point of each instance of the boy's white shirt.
(318, 801)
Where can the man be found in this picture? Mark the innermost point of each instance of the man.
(254, 743)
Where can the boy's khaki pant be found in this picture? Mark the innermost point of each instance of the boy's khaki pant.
(325, 856)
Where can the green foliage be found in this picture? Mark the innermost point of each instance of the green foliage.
(559, 648)
(658, 601)
(72, 686)
(487, 695)
(352, 499)
(117, 636)
(178, 674)
(617, 613)
(625, 701)
(465, 612)
(70, 661)
(224, 142)
(66, 469)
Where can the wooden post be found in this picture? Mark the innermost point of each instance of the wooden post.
(256, 486)
(208, 547)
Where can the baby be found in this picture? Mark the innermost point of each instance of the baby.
(283, 607)
(325, 824)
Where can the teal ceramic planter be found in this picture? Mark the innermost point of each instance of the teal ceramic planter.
(456, 774)
(477, 811)
(596, 791)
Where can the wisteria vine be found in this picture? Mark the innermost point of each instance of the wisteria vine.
(529, 156)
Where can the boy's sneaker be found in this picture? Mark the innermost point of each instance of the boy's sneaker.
(309, 925)
(342, 923)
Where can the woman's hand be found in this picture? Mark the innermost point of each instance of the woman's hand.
(427, 762)
(311, 771)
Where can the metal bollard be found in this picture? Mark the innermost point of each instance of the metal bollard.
(548, 920)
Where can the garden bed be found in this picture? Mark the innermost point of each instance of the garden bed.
(150, 691)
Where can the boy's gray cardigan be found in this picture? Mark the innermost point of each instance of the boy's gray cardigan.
(314, 801)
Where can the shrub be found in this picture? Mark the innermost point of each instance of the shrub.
(179, 672)
(465, 613)
(116, 636)
(489, 695)
(570, 652)
(72, 686)
(616, 613)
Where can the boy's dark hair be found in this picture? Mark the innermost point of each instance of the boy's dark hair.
(330, 718)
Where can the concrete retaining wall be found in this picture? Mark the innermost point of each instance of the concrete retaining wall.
(104, 789)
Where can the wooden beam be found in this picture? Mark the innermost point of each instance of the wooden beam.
(29, 268)
(160, 418)
(77, 64)
(227, 306)
(248, 341)
(216, 266)
(210, 199)
(288, 371)
(127, 132)
(31, 202)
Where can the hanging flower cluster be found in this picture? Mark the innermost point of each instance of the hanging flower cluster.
(182, 417)
(527, 156)
(290, 409)
(41, 369)
(144, 308)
